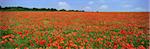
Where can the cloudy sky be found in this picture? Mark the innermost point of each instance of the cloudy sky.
(87, 5)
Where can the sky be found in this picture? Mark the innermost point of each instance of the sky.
(87, 5)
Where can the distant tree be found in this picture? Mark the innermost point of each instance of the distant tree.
(49, 9)
(7, 8)
(0, 7)
(70, 10)
(34, 9)
(43, 9)
(53, 9)
(19, 8)
(77, 10)
(97, 11)
(62, 10)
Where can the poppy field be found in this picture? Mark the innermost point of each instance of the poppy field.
(74, 30)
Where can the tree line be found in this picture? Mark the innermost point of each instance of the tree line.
(19, 8)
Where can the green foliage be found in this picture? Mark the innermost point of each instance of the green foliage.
(69, 31)
(116, 30)
(7, 45)
(5, 32)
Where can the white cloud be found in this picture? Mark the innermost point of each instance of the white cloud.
(103, 7)
(140, 9)
(87, 8)
(63, 5)
(136, 9)
(102, 1)
(91, 2)
(128, 6)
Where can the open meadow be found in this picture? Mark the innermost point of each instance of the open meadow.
(74, 30)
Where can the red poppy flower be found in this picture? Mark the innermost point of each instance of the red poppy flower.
(3, 27)
(48, 45)
(42, 42)
(141, 47)
(20, 33)
(123, 32)
(99, 39)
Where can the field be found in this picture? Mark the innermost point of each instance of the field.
(74, 30)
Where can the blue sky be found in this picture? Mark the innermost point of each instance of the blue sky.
(87, 5)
